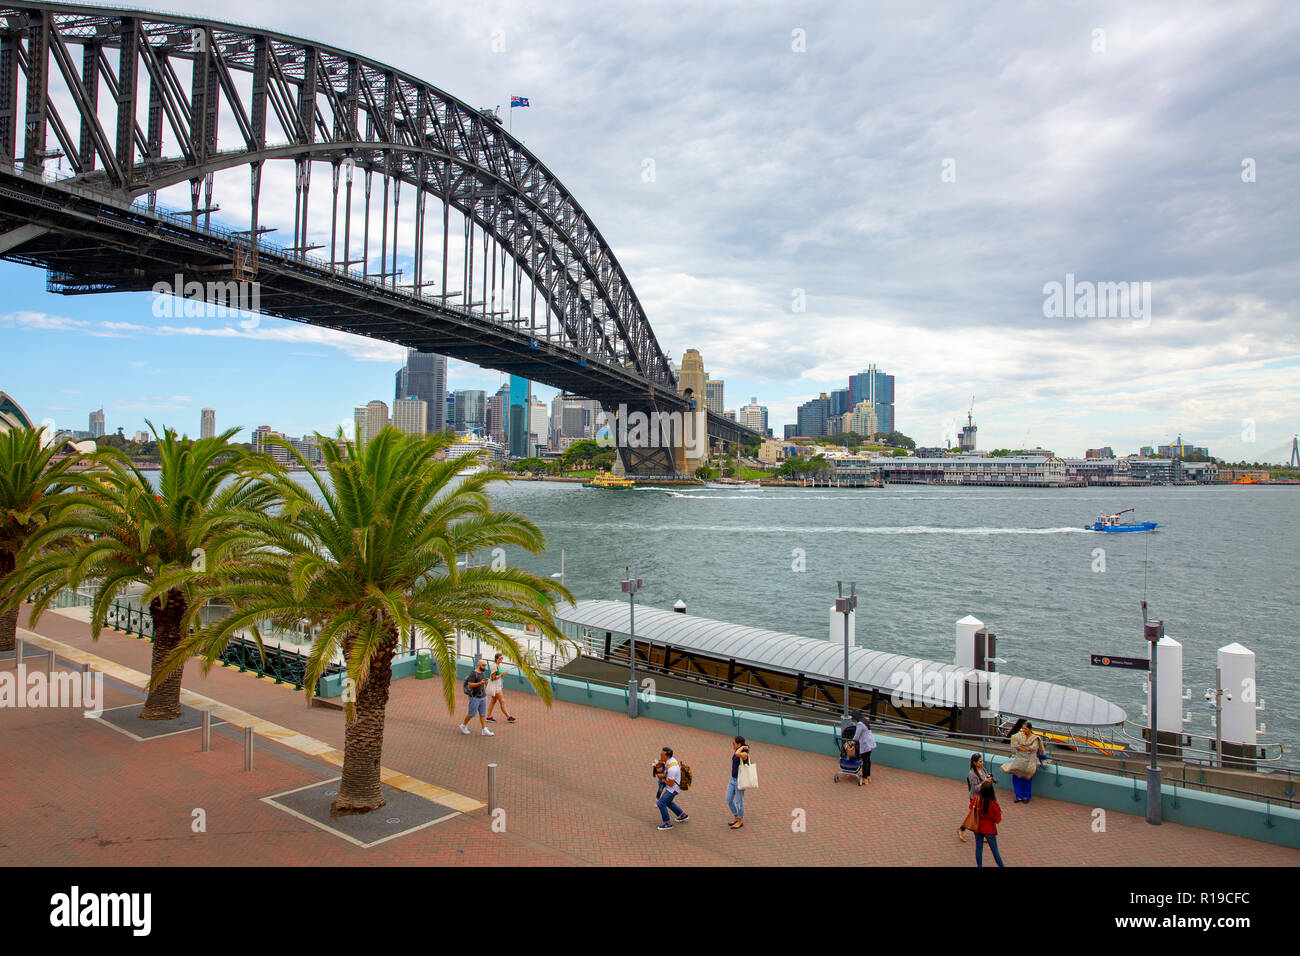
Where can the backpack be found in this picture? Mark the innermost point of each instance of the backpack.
(465, 684)
(848, 733)
(686, 777)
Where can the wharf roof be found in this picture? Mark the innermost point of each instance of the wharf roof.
(1035, 700)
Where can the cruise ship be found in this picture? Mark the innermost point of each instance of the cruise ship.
(490, 451)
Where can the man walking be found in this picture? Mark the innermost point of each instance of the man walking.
(671, 779)
(476, 688)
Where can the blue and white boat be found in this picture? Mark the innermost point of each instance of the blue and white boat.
(1112, 523)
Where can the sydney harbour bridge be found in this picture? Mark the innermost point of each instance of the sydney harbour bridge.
(430, 226)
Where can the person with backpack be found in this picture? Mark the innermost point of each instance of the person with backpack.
(475, 687)
(675, 778)
(987, 817)
(866, 742)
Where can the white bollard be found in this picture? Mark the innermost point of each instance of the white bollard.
(1237, 671)
(966, 628)
(1170, 685)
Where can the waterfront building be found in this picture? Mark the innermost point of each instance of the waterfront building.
(260, 434)
(771, 452)
(713, 389)
(1035, 470)
(1155, 471)
(411, 415)
(471, 410)
(1097, 470)
(1105, 451)
(207, 423)
(97, 424)
(308, 446)
(12, 415)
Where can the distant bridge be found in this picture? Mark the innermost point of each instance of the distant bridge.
(503, 269)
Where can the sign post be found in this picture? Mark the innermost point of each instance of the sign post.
(630, 586)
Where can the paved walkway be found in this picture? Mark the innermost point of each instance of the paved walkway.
(574, 781)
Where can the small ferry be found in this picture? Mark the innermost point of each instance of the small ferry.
(606, 480)
(1112, 523)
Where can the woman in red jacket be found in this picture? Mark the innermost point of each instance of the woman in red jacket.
(988, 816)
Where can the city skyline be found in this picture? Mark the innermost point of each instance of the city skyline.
(966, 224)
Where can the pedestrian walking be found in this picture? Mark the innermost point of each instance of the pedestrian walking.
(1027, 749)
(494, 691)
(735, 793)
(866, 741)
(974, 779)
(673, 781)
(987, 817)
(476, 691)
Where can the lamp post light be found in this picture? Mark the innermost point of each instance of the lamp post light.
(1214, 697)
(630, 587)
(846, 606)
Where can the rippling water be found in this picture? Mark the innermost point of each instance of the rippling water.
(1224, 567)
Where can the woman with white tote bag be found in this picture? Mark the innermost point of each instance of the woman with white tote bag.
(744, 776)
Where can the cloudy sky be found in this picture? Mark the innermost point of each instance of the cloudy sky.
(914, 174)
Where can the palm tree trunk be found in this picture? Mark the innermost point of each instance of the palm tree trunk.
(9, 619)
(363, 741)
(164, 701)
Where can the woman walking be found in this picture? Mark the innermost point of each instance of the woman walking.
(494, 692)
(974, 780)
(988, 816)
(736, 796)
(866, 741)
(1026, 750)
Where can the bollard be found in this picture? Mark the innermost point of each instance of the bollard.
(492, 788)
(207, 729)
(49, 664)
(248, 748)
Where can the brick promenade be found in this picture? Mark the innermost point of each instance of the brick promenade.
(574, 782)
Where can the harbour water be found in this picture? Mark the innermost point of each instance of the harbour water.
(1224, 566)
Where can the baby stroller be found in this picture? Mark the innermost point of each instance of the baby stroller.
(850, 762)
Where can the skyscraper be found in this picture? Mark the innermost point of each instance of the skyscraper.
(515, 416)
(537, 425)
(876, 387)
(813, 417)
(425, 377)
(471, 410)
(496, 414)
(713, 391)
(370, 419)
(207, 423)
(97, 424)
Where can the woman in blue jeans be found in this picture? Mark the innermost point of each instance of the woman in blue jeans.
(736, 796)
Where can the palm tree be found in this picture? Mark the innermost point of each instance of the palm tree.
(171, 539)
(33, 482)
(367, 553)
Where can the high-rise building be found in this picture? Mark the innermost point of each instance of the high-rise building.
(713, 389)
(863, 420)
(813, 417)
(97, 424)
(496, 412)
(207, 423)
(425, 377)
(968, 432)
(260, 435)
(471, 410)
(754, 416)
(411, 415)
(841, 402)
(515, 416)
(538, 422)
(370, 419)
(876, 387)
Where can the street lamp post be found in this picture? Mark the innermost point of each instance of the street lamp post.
(846, 606)
(630, 587)
(1153, 631)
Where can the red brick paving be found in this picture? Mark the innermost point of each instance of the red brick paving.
(574, 782)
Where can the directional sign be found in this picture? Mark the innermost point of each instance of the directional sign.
(1129, 663)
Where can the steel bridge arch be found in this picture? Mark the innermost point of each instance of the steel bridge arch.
(331, 105)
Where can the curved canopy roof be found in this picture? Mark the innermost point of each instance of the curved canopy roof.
(1034, 700)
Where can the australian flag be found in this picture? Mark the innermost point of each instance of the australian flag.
(518, 101)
